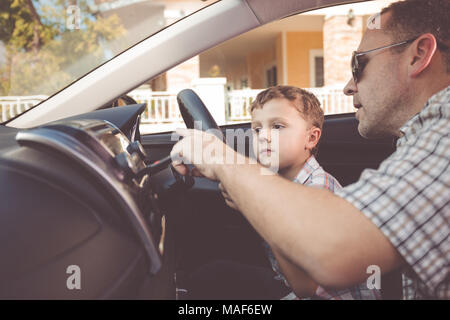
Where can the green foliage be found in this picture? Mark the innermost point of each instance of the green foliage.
(17, 25)
(30, 74)
(42, 54)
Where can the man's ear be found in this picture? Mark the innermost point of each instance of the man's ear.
(423, 50)
(313, 137)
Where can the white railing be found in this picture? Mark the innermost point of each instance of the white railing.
(12, 106)
(332, 100)
(162, 107)
(239, 103)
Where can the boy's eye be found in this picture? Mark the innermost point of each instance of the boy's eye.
(278, 126)
(257, 129)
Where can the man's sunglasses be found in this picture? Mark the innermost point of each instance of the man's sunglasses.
(358, 66)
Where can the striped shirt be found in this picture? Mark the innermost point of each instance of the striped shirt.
(408, 199)
(313, 175)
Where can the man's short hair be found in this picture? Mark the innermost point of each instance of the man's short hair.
(411, 18)
(304, 101)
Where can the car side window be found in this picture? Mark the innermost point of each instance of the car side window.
(310, 50)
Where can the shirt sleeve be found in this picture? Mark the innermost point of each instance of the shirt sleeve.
(323, 180)
(407, 198)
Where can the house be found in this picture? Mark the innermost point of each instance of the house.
(310, 50)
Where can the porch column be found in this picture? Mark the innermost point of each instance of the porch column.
(341, 36)
(212, 92)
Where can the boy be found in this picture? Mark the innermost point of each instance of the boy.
(287, 123)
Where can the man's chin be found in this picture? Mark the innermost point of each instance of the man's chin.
(362, 131)
(358, 114)
(366, 132)
(372, 132)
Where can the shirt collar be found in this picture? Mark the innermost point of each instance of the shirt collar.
(310, 166)
(408, 127)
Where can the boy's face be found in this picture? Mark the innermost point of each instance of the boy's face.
(279, 120)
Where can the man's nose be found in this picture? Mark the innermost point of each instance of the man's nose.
(350, 88)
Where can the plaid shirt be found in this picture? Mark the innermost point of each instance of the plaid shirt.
(312, 174)
(408, 198)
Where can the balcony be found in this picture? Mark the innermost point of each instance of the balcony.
(162, 112)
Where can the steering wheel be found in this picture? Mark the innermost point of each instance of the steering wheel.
(193, 111)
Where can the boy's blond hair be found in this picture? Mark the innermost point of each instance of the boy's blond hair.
(304, 101)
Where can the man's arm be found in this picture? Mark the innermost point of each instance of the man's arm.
(321, 233)
(318, 231)
(300, 282)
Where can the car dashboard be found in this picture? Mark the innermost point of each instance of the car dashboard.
(74, 199)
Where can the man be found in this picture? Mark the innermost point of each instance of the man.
(395, 217)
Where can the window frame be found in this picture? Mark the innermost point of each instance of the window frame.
(313, 54)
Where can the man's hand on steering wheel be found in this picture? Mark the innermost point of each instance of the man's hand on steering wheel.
(202, 149)
(206, 151)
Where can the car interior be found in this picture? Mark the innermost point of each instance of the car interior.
(85, 187)
(179, 225)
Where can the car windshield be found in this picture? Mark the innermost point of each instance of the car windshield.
(46, 45)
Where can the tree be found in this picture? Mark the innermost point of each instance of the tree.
(42, 54)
